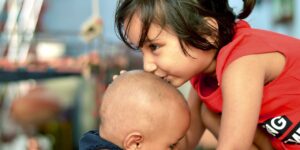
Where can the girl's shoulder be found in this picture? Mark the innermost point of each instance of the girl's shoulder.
(254, 42)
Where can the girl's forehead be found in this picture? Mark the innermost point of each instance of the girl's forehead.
(134, 27)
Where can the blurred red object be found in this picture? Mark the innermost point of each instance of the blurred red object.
(37, 107)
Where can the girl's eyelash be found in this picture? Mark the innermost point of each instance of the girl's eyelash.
(153, 46)
(173, 146)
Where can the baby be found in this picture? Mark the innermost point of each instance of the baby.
(139, 111)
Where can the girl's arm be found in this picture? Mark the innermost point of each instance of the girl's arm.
(197, 128)
(242, 89)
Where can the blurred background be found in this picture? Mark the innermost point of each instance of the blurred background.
(58, 56)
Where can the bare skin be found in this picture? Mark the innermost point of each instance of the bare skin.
(141, 111)
(213, 123)
(242, 101)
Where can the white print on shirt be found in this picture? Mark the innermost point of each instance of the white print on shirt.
(277, 126)
(294, 136)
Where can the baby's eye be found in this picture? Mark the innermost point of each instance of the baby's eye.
(153, 47)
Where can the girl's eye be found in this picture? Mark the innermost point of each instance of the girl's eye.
(153, 47)
(172, 146)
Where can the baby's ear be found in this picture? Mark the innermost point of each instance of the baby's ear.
(133, 141)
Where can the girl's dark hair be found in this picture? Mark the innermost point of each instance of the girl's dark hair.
(188, 19)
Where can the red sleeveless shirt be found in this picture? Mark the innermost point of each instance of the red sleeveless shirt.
(280, 110)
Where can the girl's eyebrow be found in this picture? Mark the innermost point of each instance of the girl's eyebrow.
(153, 39)
(148, 40)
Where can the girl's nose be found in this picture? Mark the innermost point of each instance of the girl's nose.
(149, 66)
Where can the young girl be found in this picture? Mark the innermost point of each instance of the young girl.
(248, 78)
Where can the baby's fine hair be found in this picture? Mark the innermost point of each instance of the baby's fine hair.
(188, 19)
(129, 100)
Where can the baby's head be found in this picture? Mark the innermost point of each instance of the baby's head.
(141, 111)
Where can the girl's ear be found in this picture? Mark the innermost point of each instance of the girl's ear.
(133, 141)
(212, 22)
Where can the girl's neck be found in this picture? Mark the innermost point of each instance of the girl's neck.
(211, 69)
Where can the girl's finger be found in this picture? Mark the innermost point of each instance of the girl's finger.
(122, 71)
(114, 77)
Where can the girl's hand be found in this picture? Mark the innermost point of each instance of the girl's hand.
(121, 72)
